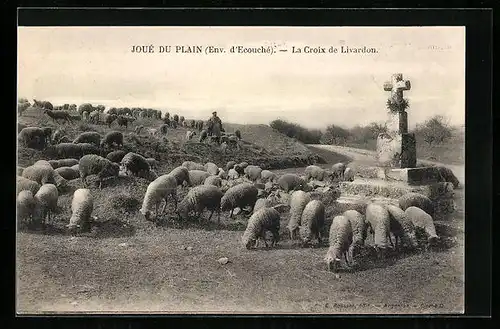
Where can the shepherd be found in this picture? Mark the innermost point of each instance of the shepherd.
(215, 126)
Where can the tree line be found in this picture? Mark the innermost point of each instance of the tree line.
(434, 131)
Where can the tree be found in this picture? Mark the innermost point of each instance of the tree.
(296, 131)
(435, 130)
(335, 135)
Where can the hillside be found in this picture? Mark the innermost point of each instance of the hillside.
(261, 144)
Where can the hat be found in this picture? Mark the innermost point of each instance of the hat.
(214, 112)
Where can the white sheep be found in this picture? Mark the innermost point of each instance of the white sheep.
(25, 184)
(191, 165)
(358, 226)
(82, 206)
(181, 174)
(213, 180)
(232, 174)
(159, 190)
(264, 219)
(190, 134)
(261, 203)
(298, 201)
(315, 172)
(252, 172)
(424, 221)
(338, 170)
(200, 198)
(197, 177)
(46, 202)
(312, 221)
(267, 176)
(349, 174)
(402, 227)
(222, 173)
(211, 168)
(340, 239)
(25, 205)
(290, 182)
(378, 219)
(240, 195)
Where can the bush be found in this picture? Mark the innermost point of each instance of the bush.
(435, 130)
(293, 130)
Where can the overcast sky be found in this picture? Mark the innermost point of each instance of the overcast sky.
(95, 64)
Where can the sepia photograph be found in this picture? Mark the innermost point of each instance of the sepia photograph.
(240, 170)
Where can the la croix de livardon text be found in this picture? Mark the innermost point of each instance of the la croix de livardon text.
(268, 49)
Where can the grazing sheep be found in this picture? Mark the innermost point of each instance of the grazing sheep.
(40, 174)
(60, 182)
(197, 177)
(253, 172)
(203, 135)
(261, 203)
(45, 202)
(312, 221)
(416, 200)
(315, 172)
(290, 182)
(358, 226)
(116, 156)
(338, 170)
(378, 218)
(232, 174)
(448, 176)
(222, 173)
(298, 201)
(32, 137)
(190, 165)
(211, 168)
(123, 121)
(82, 206)
(240, 195)
(63, 163)
(423, 220)
(88, 148)
(25, 205)
(163, 129)
(68, 173)
(340, 239)
(230, 165)
(91, 137)
(243, 165)
(135, 164)
(112, 137)
(159, 190)
(264, 219)
(181, 174)
(200, 198)
(402, 227)
(267, 176)
(58, 115)
(92, 164)
(68, 150)
(190, 134)
(48, 134)
(25, 184)
(213, 180)
(109, 119)
(349, 174)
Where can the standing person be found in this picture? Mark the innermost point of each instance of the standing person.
(216, 125)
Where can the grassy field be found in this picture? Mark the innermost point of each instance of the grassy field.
(126, 264)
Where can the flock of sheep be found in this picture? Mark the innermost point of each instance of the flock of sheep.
(235, 187)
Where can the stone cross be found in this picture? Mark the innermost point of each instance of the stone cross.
(396, 87)
(397, 147)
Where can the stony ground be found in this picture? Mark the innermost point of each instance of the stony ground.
(128, 264)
